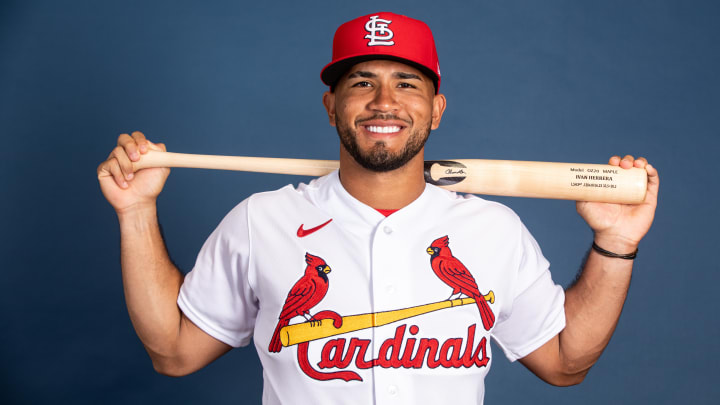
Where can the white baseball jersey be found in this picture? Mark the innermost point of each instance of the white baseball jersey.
(283, 257)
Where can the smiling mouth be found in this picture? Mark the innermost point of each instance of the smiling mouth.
(376, 129)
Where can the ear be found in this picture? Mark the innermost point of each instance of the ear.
(329, 103)
(439, 104)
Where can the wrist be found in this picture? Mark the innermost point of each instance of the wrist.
(607, 253)
(137, 216)
(616, 244)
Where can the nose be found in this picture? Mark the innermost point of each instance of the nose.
(384, 100)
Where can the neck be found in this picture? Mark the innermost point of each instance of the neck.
(386, 190)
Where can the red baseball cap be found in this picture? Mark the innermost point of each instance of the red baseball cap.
(383, 36)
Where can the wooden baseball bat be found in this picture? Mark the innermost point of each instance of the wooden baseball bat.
(307, 331)
(514, 178)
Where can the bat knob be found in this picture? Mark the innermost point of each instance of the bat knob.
(490, 297)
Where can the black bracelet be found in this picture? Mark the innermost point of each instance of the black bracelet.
(629, 256)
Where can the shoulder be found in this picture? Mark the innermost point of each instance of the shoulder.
(288, 199)
(283, 201)
(473, 208)
(289, 193)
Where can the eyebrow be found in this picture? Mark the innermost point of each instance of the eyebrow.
(370, 75)
(403, 75)
(362, 73)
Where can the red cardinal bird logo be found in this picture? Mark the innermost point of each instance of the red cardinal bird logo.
(305, 294)
(453, 273)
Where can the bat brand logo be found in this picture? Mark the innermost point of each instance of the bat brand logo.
(301, 233)
(448, 172)
(379, 33)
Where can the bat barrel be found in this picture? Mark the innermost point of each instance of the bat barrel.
(566, 181)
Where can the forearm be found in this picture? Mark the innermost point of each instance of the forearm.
(151, 281)
(593, 306)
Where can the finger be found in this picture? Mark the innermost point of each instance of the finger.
(653, 184)
(627, 162)
(130, 146)
(652, 171)
(117, 174)
(640, 162)
(141, 141)
(111, 168)
(102, 169)
(653, 176)
(615, 160)
(124, 162)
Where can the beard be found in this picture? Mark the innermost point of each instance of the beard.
(379, 158)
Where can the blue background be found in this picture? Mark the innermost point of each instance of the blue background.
(554, 80)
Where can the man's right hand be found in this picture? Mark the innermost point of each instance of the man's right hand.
(122, 187)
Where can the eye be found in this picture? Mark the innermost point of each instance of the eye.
(362, 84)
(319, 268)
(407, 86)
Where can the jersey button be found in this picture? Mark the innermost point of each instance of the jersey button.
(387, 230)
(392, 390)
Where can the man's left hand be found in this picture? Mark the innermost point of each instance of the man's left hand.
(620, 227)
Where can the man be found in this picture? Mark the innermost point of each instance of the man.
(333, 280)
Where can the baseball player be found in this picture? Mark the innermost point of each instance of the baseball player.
(368, 285)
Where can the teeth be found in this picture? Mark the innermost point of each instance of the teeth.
(383, 130)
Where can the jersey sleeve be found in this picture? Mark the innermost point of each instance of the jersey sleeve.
(216, 295)
(537, 311)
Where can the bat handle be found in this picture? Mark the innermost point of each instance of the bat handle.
(304, 167)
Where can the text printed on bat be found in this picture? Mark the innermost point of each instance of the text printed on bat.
(589, 175)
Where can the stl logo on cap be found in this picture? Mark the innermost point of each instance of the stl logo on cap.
(370, 37)
(379, 33)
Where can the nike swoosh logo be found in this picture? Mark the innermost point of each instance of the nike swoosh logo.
(301, 233)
